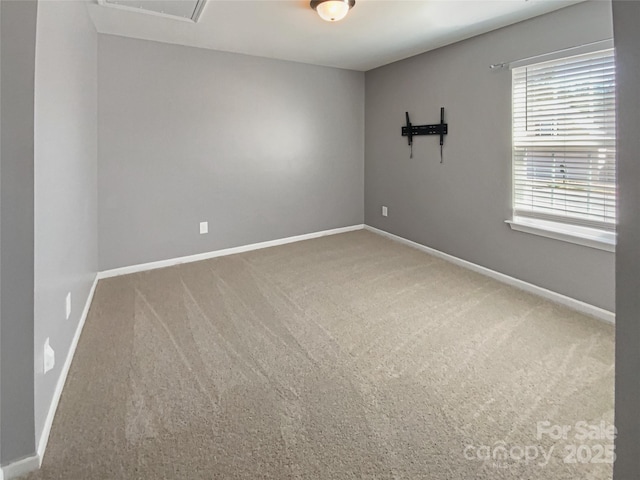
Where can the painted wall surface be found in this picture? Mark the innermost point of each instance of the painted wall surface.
(17, 44)
(66, 243)
(460, 206)
(626, 18)
(259, 148)
(0, 236)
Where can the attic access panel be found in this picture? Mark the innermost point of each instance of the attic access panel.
(188, 10)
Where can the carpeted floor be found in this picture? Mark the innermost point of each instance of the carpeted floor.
(345, 357)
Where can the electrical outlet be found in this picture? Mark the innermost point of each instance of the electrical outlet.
(68, 305)
(49, 356)
(385, 212)
(204, 227)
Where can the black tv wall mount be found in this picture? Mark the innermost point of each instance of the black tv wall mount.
(411, 131)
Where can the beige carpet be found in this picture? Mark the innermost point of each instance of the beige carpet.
(345, 357)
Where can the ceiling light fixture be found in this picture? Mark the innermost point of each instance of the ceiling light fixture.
(332, 10)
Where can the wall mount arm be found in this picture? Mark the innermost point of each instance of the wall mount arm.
(411, 131)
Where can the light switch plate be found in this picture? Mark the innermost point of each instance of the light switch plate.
(67, 304)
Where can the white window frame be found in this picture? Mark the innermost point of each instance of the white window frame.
(558, 230)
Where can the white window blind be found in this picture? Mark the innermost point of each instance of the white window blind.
(564, 140)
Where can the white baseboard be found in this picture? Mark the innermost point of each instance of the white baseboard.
(572, 303)
(19, 468)
(34, 462)
(44, 437)
(221, 253)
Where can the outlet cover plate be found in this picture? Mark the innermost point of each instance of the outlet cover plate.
(49, 356)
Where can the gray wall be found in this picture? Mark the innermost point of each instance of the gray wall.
(259, 148)
(460, 207)
(0, 235)
(17, 46)
(626, 18)
(66, 244)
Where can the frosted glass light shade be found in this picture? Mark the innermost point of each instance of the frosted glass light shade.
(332, 10)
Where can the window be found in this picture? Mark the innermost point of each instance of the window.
(564, 145)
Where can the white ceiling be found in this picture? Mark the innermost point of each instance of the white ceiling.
(375, 33)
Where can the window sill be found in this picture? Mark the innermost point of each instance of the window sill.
(588, 237)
